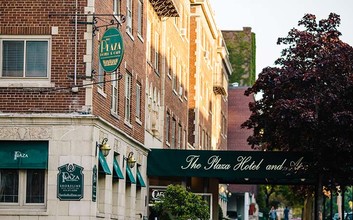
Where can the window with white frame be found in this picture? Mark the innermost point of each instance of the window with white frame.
(173, 133)
(25, 58)
(156, 52)
(138, 100)
(114, 108)
(148, 42)
(140, 17)
(168, 63)
(100, 77)
(129, 16)
(167, 127)
(22, 187)
(127, 103)
(179, 136)
(174, 72)
(185, 139)
(179, 84)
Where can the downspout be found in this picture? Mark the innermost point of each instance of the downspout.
(75, 68)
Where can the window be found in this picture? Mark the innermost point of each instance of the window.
(22, 187)
(148, 42)
(185, 139)
(179, 136)
(167, 128)
(179, 84)
(100, 77)
(173, 133)
(200, 133)
(168, 62)
(156, 52)
(223, 126)
(138, 100)
(25, 58)
(114, 108)
(174, 70)
(140, 17)
(127, 102)
(129, 16)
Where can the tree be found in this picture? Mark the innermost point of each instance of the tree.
(178, 203)
(307, 102)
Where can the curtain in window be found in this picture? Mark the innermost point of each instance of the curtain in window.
(9, 186)
(36, 58)
(35, 186)
(13, 57)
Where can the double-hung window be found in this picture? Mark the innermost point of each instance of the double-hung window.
(114, 109)
(140, 17)
(156, 52)
(138, 101)
(26, 59)
(128, 97)
(129, 16)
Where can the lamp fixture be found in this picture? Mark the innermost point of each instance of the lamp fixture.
(130, 160)
(104, 147)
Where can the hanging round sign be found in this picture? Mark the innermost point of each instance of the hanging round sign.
(111, 50)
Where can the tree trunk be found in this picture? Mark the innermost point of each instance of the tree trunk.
(319, 199)
(308, 208)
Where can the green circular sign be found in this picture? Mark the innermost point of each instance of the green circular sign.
(111, 50)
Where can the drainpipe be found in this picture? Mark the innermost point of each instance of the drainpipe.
(75, 69)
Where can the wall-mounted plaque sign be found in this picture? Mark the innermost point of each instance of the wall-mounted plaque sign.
(70, 182)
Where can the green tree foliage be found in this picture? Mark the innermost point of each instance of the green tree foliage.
(178, 203)
(307, 102)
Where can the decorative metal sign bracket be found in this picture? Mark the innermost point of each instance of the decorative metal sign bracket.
(116, 19)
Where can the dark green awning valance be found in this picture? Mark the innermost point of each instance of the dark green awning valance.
(131, 178)
(139, 178)
(103, 163)
(232, 166)
(24, 154)
(117, 171)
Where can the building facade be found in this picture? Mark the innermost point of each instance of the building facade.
(242, 54)
(88, 88)
(60, 108)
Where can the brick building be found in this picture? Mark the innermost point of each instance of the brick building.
(64, 102)
(242, 53)
(58, 107)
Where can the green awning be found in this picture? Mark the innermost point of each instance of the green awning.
(233, 166)
(103, 163)
(117, 171)
(131, 178)
(24, 154)
(139, 178)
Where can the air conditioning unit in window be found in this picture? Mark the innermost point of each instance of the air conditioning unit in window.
(183, 32)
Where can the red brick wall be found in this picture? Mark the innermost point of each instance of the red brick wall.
(238, 113)
(34, 18)
(192, 79)
(133, 62)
